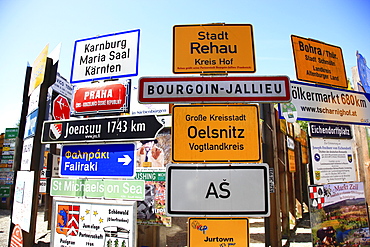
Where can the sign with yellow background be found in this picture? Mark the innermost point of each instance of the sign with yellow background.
(291, 159)
(319, 62)
(222, 48)
(216, 133)
(38, 70)
(218, 232)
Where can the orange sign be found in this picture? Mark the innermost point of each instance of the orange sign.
(216, 133)
(218, 232)
(291, 159)
(216, 48)
(319, 62)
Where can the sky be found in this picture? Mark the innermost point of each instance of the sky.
(27, 26)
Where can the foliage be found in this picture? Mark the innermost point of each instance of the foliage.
(303, 124)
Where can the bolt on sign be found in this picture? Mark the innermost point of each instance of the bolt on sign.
(213, 48)
(318, 62)
(216, 133)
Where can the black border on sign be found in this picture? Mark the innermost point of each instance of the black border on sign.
(211, 71)
(265, 212)
(214, 161)
(315, 82)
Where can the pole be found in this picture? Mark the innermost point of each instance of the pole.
(273, 234)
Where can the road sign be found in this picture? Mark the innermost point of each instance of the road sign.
(4, 190)
(216, 133)
(102, 98)
(216, 48)
(120, 128)
(224, 231)
(31, 123)
(100, 160)
(61, 108)
(108, 188)
(218, 190)
(319, 62)
(322, 103)
(105, 57)
(214, 89)
(325, 130)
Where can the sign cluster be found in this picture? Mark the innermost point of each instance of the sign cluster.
(210, 141)
(217, 168)
(96, 148)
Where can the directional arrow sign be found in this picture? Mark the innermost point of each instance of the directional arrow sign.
(108, 160)
(126, 160)
(121, 128)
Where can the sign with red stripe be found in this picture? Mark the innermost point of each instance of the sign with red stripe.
(214, 89)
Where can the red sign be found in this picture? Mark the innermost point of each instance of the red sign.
(214, 89)
(17, 238)
(61, 108)
(101, 98)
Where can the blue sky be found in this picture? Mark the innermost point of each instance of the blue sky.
(28, 25)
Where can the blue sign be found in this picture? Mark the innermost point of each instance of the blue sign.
(31, 122)
(101, 160)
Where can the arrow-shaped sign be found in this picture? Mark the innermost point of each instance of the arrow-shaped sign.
(98, 160)
(126, 160)
(120, 128)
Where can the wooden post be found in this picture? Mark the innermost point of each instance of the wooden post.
(273, 235)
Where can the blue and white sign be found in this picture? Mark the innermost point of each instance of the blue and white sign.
(105, 57)
(31, 121)
(311, 102)
(100, 160)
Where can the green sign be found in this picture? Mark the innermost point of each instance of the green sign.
(4, 190)
(11, 133)
(151, 176)
(99, 188)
